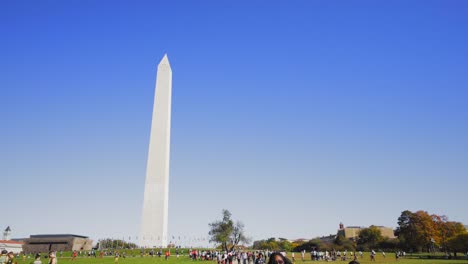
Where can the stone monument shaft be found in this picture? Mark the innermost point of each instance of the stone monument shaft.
(156, 196)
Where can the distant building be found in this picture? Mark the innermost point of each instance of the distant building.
(352, 232)
(10, 245)
(298, 240)
(328, 239)
(56, 242)
(7, 233)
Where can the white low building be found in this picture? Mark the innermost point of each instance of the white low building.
(8, 244)
(11, 246)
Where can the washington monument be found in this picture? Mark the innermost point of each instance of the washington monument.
(155, 203)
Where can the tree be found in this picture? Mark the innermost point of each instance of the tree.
(313, 244)
(285, 245)
(406, 230)
(238, 235)
(226, 232)
(342, 243)
(280, 244)
(458, 243)
(419, 230)
(115, 244)
(370, 237)
(416, 230)
(389, 244)
(446, 229)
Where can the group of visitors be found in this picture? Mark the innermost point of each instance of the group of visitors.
(326, 255)
(240, 257)
(159, 253)
(400, 254)
(247, 257)
(80, 253)
(228, 257)
(221, 257)
(9, 258)
(52, 259)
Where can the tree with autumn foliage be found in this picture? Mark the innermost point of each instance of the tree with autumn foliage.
(446, 230)
(415, 230)
(420, 231)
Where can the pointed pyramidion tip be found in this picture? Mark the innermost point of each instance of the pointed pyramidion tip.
(164, 60)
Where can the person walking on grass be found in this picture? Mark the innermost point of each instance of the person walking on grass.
(11, 258)
(52, 258)
(3, 256)
(37, 259)
(260, 259)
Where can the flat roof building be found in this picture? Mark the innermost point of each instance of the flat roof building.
(11, 245)
(352, 232)
(56, 242)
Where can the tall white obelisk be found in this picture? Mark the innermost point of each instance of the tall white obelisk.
(155, 203)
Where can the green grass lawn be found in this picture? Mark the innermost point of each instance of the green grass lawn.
(185, 260)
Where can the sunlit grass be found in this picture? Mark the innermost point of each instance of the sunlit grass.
(185, 260)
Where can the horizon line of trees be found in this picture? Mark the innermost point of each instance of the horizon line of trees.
(416, 232)
(419, 231)
(109, 243)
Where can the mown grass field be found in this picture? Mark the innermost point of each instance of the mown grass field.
(390, 259)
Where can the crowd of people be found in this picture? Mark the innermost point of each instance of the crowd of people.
(343, 255)
(221, 257)
(11, 258)
(241, 257)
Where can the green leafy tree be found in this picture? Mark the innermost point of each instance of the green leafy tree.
(270, 244)
(340, 240)
(406, 230)
(110, 243)
(388, 244)
(370, 237)
(285, 245)
(280, 244)
(342, 243)
(458, 243)
(227, 233)
(296, 244)
(310, 245)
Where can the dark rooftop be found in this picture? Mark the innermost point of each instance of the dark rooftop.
(56, 236)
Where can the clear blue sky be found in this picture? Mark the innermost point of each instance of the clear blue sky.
(294, 115)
